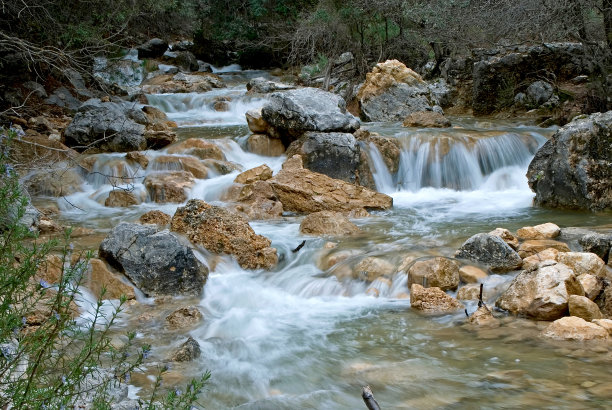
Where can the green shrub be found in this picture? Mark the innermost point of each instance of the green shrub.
(49, 358)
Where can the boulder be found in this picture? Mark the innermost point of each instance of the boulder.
(597, 243)
(538, 93)
(533, 246)
(541, 294)
(301, 190)
(605, 323)
(584, 308)
(294, 112)
(604, 300)
(584, 262)
(155, 217)
(139, 158)
(388, 147)
(222, 231)
(574, 167)
(187, 352)
(260, 85)
(154, 48)
(257, 201)
(328, 223)
(432, 300)
(371, 268)
(182, 83)
(260, 173)
(256, 122)
(156, 262)
(574, 329)
(50, 269)
(184, 318)
(438, 272)
(507, 236)
(120, 75)
(483, 317)
(426, 119)
(471, 274)
(542, 257)
(174, 163)
(261, 144)
(56, 183)
(198, 147)
(186, 61)
(113, 127)
(591, 284)
(490, 250)
(543, 231)
(333, 154)
(98, 277)
(121, 198)
(469, 292)
(168, 186)
(391, 92)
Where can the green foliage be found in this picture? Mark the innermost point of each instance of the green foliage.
(50, 357)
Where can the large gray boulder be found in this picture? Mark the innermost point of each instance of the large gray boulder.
(334, 154)
(112, 127)
(393, 91)
(294, 112)
(597, 243)
(490, 250)
(574, 168)
(156, 262)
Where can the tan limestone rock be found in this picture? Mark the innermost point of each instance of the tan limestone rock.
(432, 300)
(584, 262)
(177, 163)
(471, 274)
(591, 284)
(184, 317)
(469, 292)
(198, 147)
(605, 323)
(100, 276)
(584, 308)
(507, 236)
(265, 145)
(169, 186)
(533, 246)
(256, 123)
(533, 261)
(222, 231)
(260, 173)
(328, 223)
(120, 198)
(574, 329)
(438, 272)
(543, 231)
(426, 119)
(155, 217)
(371, 268)
(301, 190)
(483, 317)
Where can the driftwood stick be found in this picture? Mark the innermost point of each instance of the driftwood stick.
(368, 398)
(299, 247)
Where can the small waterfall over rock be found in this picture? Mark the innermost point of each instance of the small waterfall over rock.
(457, 161)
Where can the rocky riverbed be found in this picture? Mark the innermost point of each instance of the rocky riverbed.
(263, 232)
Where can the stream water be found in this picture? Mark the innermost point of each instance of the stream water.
(297, 337)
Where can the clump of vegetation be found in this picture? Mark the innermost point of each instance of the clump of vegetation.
(49, 356)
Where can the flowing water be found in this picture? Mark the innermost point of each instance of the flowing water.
(301, 336)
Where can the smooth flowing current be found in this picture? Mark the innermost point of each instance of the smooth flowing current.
(305, 337)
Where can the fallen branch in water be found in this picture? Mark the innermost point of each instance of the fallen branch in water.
(299, 246)
(368, 398)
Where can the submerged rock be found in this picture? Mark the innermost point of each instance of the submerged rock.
(574, 167)
(156, 262)
(328, 223)
(542, 294)
(184, 317)
(222, 231)
(426, 119)
(188, 351)
(169, 186)
(301, 190)
(371, 268)
(490, 250)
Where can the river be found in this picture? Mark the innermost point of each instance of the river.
(297, 337)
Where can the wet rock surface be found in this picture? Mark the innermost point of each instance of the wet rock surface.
(156, 262)
(490, 250)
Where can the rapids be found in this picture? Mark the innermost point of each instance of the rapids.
(298, 337)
